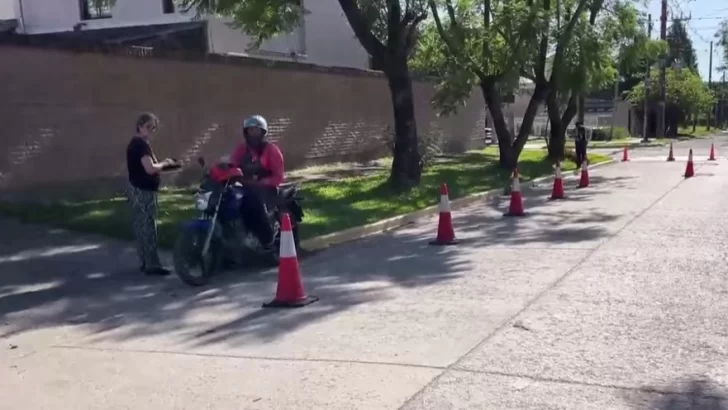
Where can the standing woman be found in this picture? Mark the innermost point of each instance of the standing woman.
(144, 180)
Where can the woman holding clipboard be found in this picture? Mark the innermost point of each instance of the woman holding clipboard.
(144, 180)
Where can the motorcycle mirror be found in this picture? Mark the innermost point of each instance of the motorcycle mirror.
(201, 161)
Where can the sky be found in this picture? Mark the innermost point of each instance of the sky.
(7, 10)
(705, 15)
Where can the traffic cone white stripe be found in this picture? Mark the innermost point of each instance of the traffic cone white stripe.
(444, 204)
(288, 245)
(516, 184)
(558, 171)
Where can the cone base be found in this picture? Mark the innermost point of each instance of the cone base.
(514, 214)
(443, 243)
(556, 198)
(291, 304)
(671, 160)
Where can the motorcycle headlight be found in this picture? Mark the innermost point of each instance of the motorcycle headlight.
(202, 200)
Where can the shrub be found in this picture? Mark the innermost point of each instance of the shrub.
(602, 134)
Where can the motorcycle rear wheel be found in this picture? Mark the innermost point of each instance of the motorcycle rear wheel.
(188, 258)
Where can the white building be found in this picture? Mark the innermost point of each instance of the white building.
(324, 38)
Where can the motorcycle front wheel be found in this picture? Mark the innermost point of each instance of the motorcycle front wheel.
(191, 267)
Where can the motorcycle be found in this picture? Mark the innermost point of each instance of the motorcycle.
(218, 237)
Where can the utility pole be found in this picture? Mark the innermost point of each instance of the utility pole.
(614, 106)
(710, 82)
(723, 114)
(647, 85)
(663, 67)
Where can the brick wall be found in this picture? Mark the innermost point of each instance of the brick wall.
(67, 116)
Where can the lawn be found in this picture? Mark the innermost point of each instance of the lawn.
(701, 131)
(329, 206)
(621, 143)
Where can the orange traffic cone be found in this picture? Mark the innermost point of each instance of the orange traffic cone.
(584, 180)
(558, 191)
(290, 292)
(690, 168)
(670, 156)
(712, 153)
(516, 206)
(445, 231)
(625, 154)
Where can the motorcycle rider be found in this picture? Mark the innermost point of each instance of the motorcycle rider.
(261, 162)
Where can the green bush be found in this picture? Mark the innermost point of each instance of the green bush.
(602, 134)
(621, 133)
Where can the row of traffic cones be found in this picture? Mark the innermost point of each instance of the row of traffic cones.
(671, 154)
(689, 168)
(446, 232)
(557, 192)
(290, 291)
(711, 157)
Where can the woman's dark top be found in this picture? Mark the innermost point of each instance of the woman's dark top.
(138, 147)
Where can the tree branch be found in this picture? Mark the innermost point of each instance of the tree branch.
(409, 36)
(394, 12)
(451, 47)
(362, 29)
(543, 48)
(563, 42)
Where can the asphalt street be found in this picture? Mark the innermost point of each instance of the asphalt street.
(615, 298)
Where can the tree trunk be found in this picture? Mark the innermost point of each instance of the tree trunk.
(406, 167)
(505, 139)
(509, 147)
(559, 123)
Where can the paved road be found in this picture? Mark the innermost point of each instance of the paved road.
(614, 299)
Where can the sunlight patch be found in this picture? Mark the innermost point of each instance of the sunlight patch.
(47, 252)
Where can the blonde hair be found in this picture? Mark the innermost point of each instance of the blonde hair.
(146, 118)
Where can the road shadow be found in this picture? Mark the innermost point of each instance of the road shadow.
(94, 283)
(693, 394)
(584, 221)
(75, 281)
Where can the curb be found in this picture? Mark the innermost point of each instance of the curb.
(358, 232)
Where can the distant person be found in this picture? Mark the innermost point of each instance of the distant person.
(144, 179)
(580, 143)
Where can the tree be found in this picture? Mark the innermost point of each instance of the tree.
(387, 29)
(680, 47)
(565, 47)
(722, 36)
(686, 93)
(607, 40)
(482, 43)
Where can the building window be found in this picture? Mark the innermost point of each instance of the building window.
(168, 6)
(96, 9)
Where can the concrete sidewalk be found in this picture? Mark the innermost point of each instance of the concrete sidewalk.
(610, 300)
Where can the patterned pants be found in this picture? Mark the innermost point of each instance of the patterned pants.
(144, 221)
